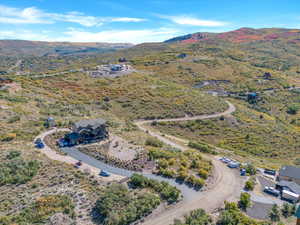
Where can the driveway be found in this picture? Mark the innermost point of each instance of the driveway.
(226, 183)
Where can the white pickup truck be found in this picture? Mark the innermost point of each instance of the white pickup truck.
(290, 196)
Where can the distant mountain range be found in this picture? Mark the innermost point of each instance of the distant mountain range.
(38, 48)
(242, 35)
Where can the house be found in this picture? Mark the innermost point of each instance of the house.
(288, 186)
(289, 173)
(87, 131)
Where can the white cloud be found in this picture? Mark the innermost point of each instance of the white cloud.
(127, 19)
(33, 15)
(117, 36)
(192, 21)
(111, 36)
(29, 15)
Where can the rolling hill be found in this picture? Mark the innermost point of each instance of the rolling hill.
(38, 48)
(243, 35)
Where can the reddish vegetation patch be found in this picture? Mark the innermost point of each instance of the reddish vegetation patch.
(295, 41)
(188, 41)
(247, 35)
(271, 37)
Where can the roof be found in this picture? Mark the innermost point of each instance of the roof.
(297, 214)
(290, 193)
(73, 136)
(291, 185)
(94, 123)
(290, 171)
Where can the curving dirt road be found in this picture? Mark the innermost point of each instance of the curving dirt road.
(141, 124)
(226, 183)
(226, 186)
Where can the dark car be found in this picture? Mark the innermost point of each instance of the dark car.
(270, 172)
(104, 173)
(79, 163)
(39, 143)
(62, 143)
(272, 191)
(243, 172)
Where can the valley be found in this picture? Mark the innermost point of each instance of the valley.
(182, 106)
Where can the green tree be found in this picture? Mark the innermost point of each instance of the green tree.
(250, 184)
(245, 201)
(288, 210)
(274, 213)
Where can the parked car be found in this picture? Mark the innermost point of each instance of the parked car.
(79, 163)
(226, 160)
(233, 165)
(272, 191)
(62, 143)
(39, 143)
(104, 173)
(270, 172)
(243, 172)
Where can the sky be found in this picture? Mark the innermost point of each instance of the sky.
(138, 21)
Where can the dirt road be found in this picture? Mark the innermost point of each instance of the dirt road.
(226, 184)
(173, 141)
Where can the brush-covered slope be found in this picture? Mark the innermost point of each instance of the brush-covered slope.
(38, 48)
(243, 35)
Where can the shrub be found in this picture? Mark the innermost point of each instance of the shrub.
(197, 216)
(202, 147)
(233, 216)
(118, 206)
(203, 174)
(13, 154)
(16, 170)
(167, 192)
(293, 109)
(154, 142)
(41, 210)
(250, 169)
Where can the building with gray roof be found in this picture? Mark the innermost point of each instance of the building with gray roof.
(289, 173)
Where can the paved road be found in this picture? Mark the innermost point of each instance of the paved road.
(226, 184)
(52, 154)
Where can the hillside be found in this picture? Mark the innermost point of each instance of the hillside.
(38, 48)
(182, 78)
(243, 35)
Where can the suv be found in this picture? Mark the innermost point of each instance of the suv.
(272, 191)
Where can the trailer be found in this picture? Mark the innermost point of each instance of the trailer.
(290, 196)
